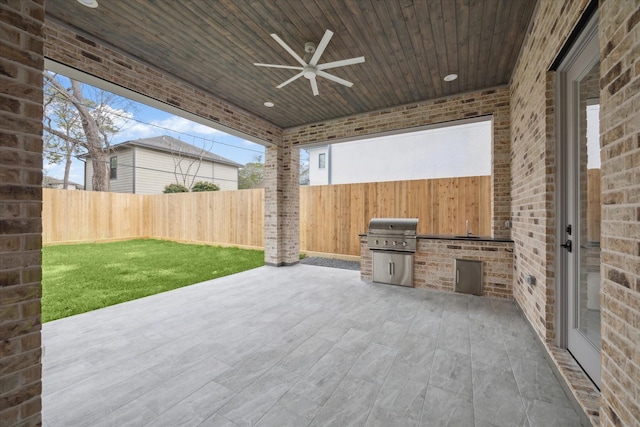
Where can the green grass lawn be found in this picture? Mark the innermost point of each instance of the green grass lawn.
(84, 277)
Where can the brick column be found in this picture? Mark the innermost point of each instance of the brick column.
(282, 201)
(21, 65)
(619, 32)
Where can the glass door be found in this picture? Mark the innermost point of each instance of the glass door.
(580, 217)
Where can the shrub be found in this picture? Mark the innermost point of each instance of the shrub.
(204, 186)
(175, 188)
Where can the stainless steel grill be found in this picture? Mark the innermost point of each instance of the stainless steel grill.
(394, 234)
(392, 242)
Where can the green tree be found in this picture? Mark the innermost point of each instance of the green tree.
(252, 174)
(204, 186)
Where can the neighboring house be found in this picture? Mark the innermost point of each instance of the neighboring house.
(147, 165)
(49, 182)
(451, 151)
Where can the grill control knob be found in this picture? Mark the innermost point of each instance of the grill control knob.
(386, 243)
(395, 243)
(404, 243)
(376, 242)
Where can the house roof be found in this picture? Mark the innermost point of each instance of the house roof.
(48, 181)
(409, 47)
(172, 145)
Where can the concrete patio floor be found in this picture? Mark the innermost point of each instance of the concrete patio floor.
(298, 346)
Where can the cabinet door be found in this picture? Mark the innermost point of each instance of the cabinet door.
(468, 278)
(395, 268)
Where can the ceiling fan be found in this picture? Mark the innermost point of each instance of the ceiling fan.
(309, 67)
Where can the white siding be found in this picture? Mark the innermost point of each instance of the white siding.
(224, 176)
(124, 181)
(155, 170)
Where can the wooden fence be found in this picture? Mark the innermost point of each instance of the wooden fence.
(593, 205)
(220, 217)
(86, 216)
(331, 217)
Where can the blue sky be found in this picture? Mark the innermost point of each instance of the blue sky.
(149, 122)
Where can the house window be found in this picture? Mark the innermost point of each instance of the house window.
(322, 160)
(113, 167)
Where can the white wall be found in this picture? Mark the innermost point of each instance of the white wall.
(318, 176)
(461, 150)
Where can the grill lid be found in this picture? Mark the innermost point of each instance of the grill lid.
(393, 226)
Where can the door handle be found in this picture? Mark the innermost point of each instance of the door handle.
(568, 245)
(457, 276)
(390, 268)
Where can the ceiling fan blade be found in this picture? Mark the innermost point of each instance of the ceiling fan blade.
(334, 78)
(314, 87)
(340, 63)
(321, 47)
(288, 67)
(297, 76)
(288, 49)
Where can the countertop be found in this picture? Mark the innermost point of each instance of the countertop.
(472, 238)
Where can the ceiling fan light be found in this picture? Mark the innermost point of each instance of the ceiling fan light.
(89, 3)
(450, 77)
(309, 73)
(269, 104)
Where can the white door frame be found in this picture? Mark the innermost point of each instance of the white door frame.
(569, 70)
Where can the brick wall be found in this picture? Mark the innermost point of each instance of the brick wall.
(494, 102)
(533, 174)
(619, 31)
(21, 64)
(282, 206)
(533, 161)
(434, 264)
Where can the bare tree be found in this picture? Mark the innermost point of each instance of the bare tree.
(63, 117)
(73, 122)
(187, 160)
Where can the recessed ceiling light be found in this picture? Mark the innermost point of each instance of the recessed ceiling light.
(450, 77)
(89, 3)
(269, 104)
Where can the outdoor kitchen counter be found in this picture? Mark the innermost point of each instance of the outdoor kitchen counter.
(434, 262)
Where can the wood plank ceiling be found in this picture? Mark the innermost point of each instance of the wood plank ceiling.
(409, 46)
